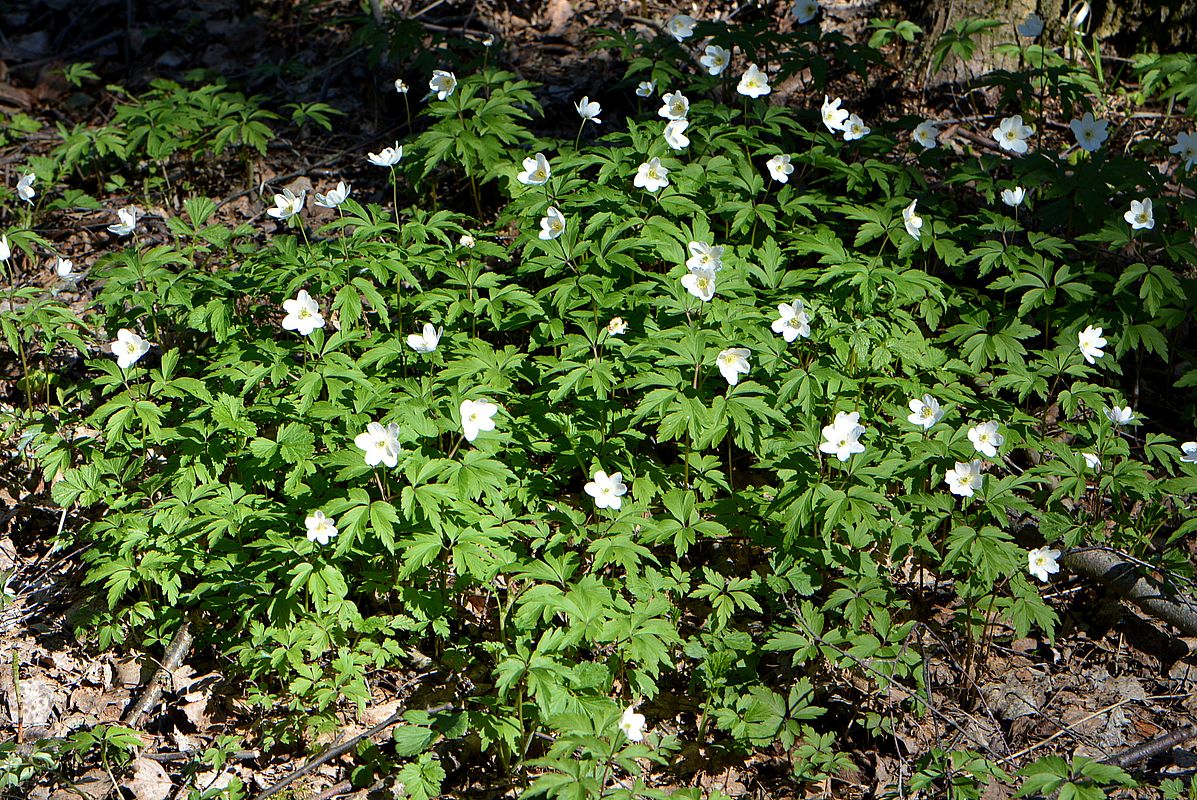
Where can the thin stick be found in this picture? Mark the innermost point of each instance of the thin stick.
(1067, 729)
(176, 651)
(1152, 747)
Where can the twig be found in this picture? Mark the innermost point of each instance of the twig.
(1064, 730)
(335, 789)
(176, 651)
(1152, 747)
(166, 758)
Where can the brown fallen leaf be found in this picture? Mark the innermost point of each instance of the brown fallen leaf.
(149, 781)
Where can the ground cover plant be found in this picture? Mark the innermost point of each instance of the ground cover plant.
(641, 444)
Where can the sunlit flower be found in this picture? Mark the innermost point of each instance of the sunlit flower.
(631, 723)
(675, 134)
(681, 27)
(5, 250)
(1186, 148)
(1091, 343)
(833, 116)
(651, 176)
(25, 188)
(924, 412)
(617, 327)
(926, 133)
(64, 267)
(303, 314)
(334, 197)
(488, 40)
(380, 444)
(400, 86)
(1090, 133)
(477, 416)
(1140, 214)
(842, 437)
(127, 224)
(426, 340)
(965, 478)
(536, 171)
(386, 157)
(1043, 563)
(128, 348)
(715, 59)
(607, 490)
(792, 322)
(1092, 461)
(1079, 13)
(674, 105)
(912, 221)
(700, 283)
(467, 240)
(1030, 27)
(1119, 415)
(705, 256)
(733, 362)
(589, 110)
(287, 204)
(443, 83)
(780, 168)
(552, 224)
(854, 128)
(1188, 452)
(986, 439)
(1012, 135)
(320, 528)
(805, 10)
(753, 83)
(646, 88)
(1014, 197)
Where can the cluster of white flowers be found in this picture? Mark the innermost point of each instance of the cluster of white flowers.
(838, 120)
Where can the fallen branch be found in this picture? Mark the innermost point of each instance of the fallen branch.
(1125, 579)
(176, 651)
(1152, 747)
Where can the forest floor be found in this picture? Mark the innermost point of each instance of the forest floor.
(1112, 679)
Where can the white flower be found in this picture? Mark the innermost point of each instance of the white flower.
(651, 176)
(488, 40)
(1012, 135)
(1090, 133)
(466, 240)
(589, 110)
(477, 416)
(1014, 197)
(1186, 148)
(25, 188)
(400, 86)
(1091, 343)
(705, 256)
(780, 168)
(833, 116)
(1030, 27)
(1079, 13)
(674, 106)
(64, 267)
(5, 250)
(1140, 214)
(381, 445)
(128, 348)
(1120, 415)
(552, 224)
(426, 340)
(646, 88)
(854, 128)
(320, 528)
(335, 196)
(912, 221)
(536, 171)
(681, 27)
(700, 283)
(287, 205)
(675, 134)
(1092, 461)
(1042, 563)
(127, 224)
(632, 724)
(926, 134)
(715, 59)
(443, 83)
(792, 322)
(733, 362)
(303, 314)
(986, 439)
(805, 10)
(965, 478)
(924, 412)
(842, 437)
(753, 83)
(617, 327)
(607, 490)
(386, 157)
(1188, 452)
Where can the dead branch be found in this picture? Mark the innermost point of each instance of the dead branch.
(1125, 579)
(176, 651)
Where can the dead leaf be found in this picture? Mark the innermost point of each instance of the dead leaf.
(149, 781)
(558, 14)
